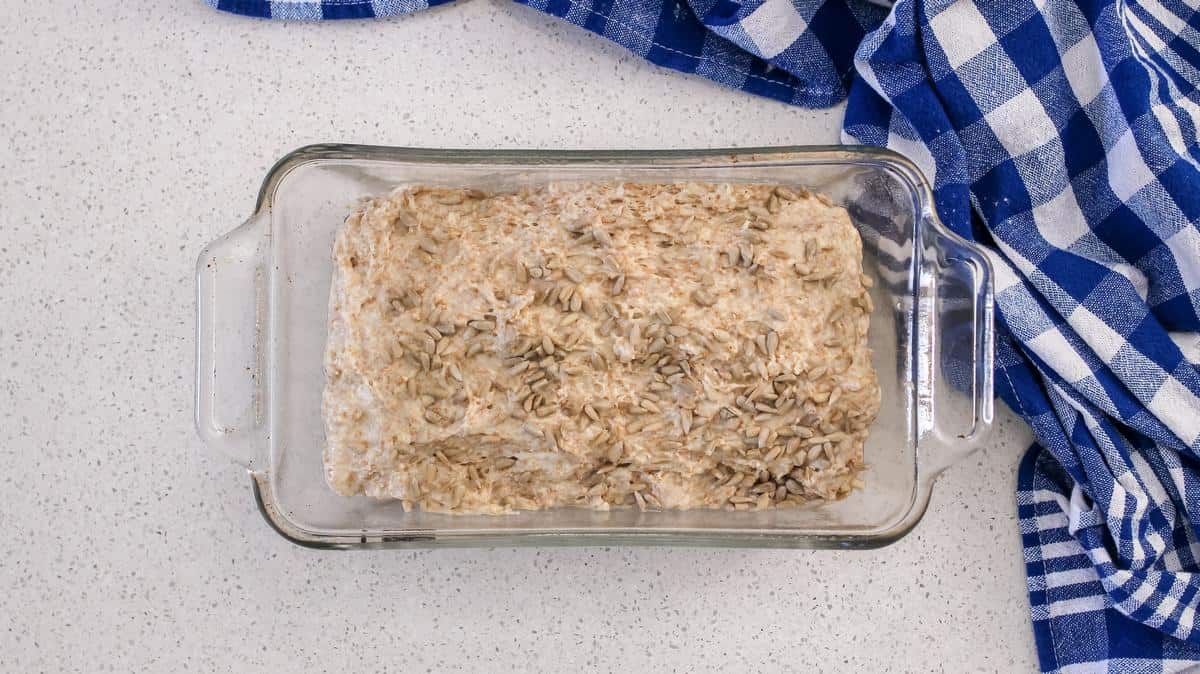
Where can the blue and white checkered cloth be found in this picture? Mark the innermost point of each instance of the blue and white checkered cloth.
(1062, 135)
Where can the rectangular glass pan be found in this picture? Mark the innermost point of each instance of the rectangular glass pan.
(262, 310)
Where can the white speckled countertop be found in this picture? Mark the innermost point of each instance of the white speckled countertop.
(132, 133)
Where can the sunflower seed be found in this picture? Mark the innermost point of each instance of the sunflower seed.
(786, 193)
(703, 298)
(597, 361)
(793, 448)
(746, 252)
(565, 291)
(761, 342)
(640, 500)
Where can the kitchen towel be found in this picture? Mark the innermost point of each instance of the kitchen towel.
(800, 53)
(1061, 135)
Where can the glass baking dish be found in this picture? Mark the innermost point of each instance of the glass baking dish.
(263, 291)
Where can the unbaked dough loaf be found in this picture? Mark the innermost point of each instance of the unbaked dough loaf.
(598, 344)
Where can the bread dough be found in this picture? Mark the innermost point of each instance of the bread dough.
(598, 344)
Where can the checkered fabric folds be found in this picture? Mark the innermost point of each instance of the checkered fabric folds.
(1061, 135)
(800, 53)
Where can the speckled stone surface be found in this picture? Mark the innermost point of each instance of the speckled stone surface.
(131, 134)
